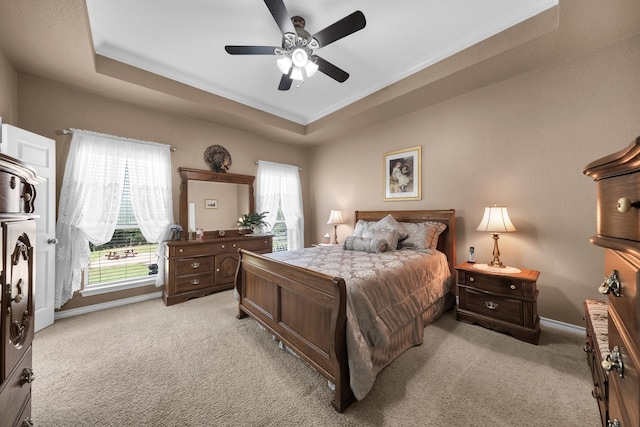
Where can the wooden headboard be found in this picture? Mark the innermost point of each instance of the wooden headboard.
(447, 241)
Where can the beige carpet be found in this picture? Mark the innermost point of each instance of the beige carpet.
(195, 364)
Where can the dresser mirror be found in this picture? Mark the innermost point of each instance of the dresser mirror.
(218, 199)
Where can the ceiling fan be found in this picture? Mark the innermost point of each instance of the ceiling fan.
(297, 60)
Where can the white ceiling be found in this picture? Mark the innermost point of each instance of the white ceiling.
(184, 41)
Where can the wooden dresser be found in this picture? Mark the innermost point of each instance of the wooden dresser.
(18, 228)
(194, 268)
(617, 179)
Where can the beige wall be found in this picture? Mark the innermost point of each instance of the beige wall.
(8, 92)
(523, 143)
(46, 107)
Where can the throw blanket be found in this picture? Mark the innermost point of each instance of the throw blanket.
(385, 292)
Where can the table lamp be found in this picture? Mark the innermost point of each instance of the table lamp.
(334, 219)
(495, 221)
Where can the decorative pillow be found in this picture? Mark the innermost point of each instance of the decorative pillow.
(390, 236)
(361, 227)
(390, 223)
(354, 243)
(423, 235)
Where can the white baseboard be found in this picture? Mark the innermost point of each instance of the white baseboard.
(105, 305)
(548, 323)
(566, 327)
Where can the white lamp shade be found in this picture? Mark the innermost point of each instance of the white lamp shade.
(496, 220)
(284, 64)
(335, 217)
(310, 68)
(296, 74)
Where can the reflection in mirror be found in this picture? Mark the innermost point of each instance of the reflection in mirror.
(218, 199)
(218, 205)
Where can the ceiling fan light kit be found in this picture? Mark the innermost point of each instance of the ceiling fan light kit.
(297, 60)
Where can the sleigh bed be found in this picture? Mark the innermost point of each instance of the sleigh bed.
(307, 310)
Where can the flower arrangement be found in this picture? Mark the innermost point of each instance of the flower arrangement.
(253, 220)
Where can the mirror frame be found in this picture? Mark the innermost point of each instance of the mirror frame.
(188, 174)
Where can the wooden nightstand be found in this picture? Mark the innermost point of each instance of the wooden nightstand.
(505, 302)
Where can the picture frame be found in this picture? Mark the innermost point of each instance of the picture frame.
(401, 170)
(211, 203)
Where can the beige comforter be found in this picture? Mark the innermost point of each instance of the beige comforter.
(387, 294)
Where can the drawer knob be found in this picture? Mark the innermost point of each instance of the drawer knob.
(625, 204)
(595, 394)
(491, 305)
(234, 245)
(195, 264)
(27, 376)
(195, 281)
(611, 284)
(471, 279)
(222, 246)
(512, 287)
(28, 422)
(181, 250)
(613, 362)
(613, 423)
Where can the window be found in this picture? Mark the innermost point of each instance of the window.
(127, 257)
(279, 231)
(278, 193)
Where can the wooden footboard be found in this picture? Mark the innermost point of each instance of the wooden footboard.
(306, 310)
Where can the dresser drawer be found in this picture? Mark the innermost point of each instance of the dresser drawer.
(12, 191)
(195, 265)
(15, 395)
(194, 282)
(495, 306)
(256, 245)
(501, 285)
(626, 388)
(626, 305)
(611, 222)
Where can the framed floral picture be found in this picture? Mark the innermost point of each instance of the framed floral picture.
(401, 171)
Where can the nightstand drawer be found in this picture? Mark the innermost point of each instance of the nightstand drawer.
(494, 306)
(500, 285)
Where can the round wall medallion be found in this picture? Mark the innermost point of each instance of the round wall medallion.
(218, 158)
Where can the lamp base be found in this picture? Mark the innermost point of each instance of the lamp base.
(335, 235)
(496, 253)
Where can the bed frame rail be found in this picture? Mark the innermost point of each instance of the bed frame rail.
(303, 309)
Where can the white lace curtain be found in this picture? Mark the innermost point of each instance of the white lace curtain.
(90, 200)
(277, 183)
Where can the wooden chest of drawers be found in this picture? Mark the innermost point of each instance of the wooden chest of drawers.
(17, 299)
(618, 231)
(503, 302)
(199, 267)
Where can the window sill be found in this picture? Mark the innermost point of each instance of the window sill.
(120, 286)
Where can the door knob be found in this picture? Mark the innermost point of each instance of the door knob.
(53, 241)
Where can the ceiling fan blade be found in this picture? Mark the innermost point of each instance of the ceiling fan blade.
(285, 82)
(347, 25)
(280, 14)
(250, 50)
(331, 70)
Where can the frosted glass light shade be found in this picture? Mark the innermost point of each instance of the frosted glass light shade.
(296, 74)
(310, 68)
(284, 64)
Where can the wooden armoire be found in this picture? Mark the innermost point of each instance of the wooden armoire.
(617, 179)
(17, 242)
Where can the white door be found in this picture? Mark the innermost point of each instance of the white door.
(40, 153)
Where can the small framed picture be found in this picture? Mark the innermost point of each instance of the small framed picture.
(401, 171)
(211, 203)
